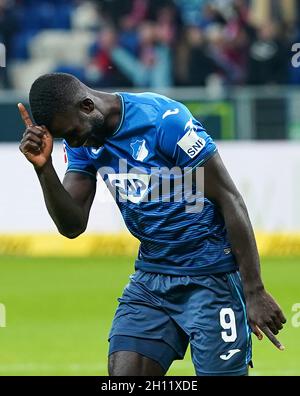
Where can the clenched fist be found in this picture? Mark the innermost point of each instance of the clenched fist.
(37, 142)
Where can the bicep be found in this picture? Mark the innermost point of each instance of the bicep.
(82, 189)
(219, 187)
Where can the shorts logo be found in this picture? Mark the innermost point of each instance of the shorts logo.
(139, 150)
(230, 354)
(191, 143)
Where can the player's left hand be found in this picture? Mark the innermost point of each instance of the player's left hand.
(265, 316)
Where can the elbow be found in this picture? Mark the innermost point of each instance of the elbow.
(72, 234)
(233, 203)
(240, 203)
(237, 205)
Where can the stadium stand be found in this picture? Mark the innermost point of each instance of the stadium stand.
(150, 43)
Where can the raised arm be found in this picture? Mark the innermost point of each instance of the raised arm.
(69, 203)
(264, 314)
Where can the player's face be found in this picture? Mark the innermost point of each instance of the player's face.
(80, 129)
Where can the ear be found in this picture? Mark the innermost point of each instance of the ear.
(87, 105)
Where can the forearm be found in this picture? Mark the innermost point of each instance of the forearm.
(242, 239)
(66, 214)
(263, 313)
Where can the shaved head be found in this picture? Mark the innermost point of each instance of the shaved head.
(72, 111)
(54, 94)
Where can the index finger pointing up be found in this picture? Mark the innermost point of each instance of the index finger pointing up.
(25, 116)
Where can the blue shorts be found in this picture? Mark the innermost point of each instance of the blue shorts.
(159, 315)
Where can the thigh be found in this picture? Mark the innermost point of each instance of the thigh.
(220, 336)
(130, 356)
(126, 363)
(141, 325)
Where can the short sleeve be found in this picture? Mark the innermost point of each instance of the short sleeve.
(182, 139)
(78, 161)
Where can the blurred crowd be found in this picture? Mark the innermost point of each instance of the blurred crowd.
(162, 43)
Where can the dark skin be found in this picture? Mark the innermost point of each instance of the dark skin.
(94, 117)
(69, 203)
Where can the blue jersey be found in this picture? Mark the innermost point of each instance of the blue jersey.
(157, 133)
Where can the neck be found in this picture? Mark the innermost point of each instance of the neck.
(111, 108)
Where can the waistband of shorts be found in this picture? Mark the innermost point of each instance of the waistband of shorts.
(222, 266)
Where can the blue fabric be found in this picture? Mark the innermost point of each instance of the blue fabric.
(182, 309)
(156, 350)
(159, 133)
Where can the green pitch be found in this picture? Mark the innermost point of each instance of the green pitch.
(59, 313)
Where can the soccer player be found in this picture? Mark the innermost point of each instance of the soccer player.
(197, 278)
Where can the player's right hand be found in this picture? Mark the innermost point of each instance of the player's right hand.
(37, 142)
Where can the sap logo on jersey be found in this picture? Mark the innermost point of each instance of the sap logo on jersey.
(191, 143)
(130, 187)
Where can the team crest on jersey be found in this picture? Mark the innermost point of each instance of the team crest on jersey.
(139, 150)
(191, 143)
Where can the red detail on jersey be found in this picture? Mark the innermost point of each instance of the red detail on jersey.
(65, 155)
